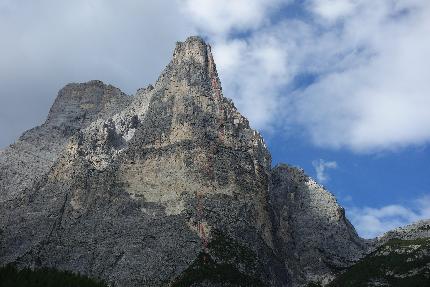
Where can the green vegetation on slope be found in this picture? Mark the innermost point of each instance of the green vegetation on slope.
(45, 277)
(219, 266)
(205, 269)
(397, 263)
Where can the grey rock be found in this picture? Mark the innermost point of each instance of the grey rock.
(26, 164)
(76, 106)
(419, 229)
(313, 235)
(144, 190)
(123, 194)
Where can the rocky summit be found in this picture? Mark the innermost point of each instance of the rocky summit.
(169, 187)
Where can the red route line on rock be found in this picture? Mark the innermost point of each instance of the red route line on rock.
(209, 167)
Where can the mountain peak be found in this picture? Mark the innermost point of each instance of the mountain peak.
(78, 104)
(193, 48)
(192, 65)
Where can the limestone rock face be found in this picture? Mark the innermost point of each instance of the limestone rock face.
(312, 233)
(76, 106)
(137, 192)
(169, 187)
(24, 166)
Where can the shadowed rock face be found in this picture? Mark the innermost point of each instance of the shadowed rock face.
(312, 233)
(128, 189)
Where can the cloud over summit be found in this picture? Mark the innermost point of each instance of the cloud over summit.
(367, 61)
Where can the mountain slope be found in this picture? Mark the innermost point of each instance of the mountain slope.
(144, 188)
(402, 258)
(11, 277)
(169, 187)
(26, 164)
(76, 106)
(312, 233)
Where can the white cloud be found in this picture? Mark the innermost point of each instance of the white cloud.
(372, 222)
(375, 97)
(332, 9)
(321, 167)
(219, 17)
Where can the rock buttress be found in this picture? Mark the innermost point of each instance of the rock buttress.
(129, 194)
(313, 235)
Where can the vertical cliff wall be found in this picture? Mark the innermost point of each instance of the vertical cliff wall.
(168, 187)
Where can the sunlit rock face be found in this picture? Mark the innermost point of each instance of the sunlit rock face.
(169, 187)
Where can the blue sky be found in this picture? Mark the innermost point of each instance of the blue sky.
(338, 87)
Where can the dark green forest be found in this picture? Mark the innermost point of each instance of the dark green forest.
(44, 277)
